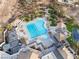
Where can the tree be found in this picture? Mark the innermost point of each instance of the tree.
(52, 15)
(70, 23)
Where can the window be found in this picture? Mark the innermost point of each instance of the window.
(65, 0)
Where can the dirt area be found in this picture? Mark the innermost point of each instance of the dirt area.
(6, 9)
(7, 6)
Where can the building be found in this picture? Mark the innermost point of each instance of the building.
(67, 1)
(11, 45)
(4, 55)
(42, 45)
(61, 30)
(49, 56)
(24, 53)
(51, 53)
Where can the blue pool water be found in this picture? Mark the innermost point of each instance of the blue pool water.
(75, 34)
(36, 28)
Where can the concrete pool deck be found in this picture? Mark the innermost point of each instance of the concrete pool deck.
(22, 30)
(32, 28)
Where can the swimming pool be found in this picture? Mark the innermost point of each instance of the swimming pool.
(75, 34)
(36, 28)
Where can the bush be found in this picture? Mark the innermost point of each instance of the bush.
(9, 27)
(1, 29)
(25, 18)
(54, 12)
